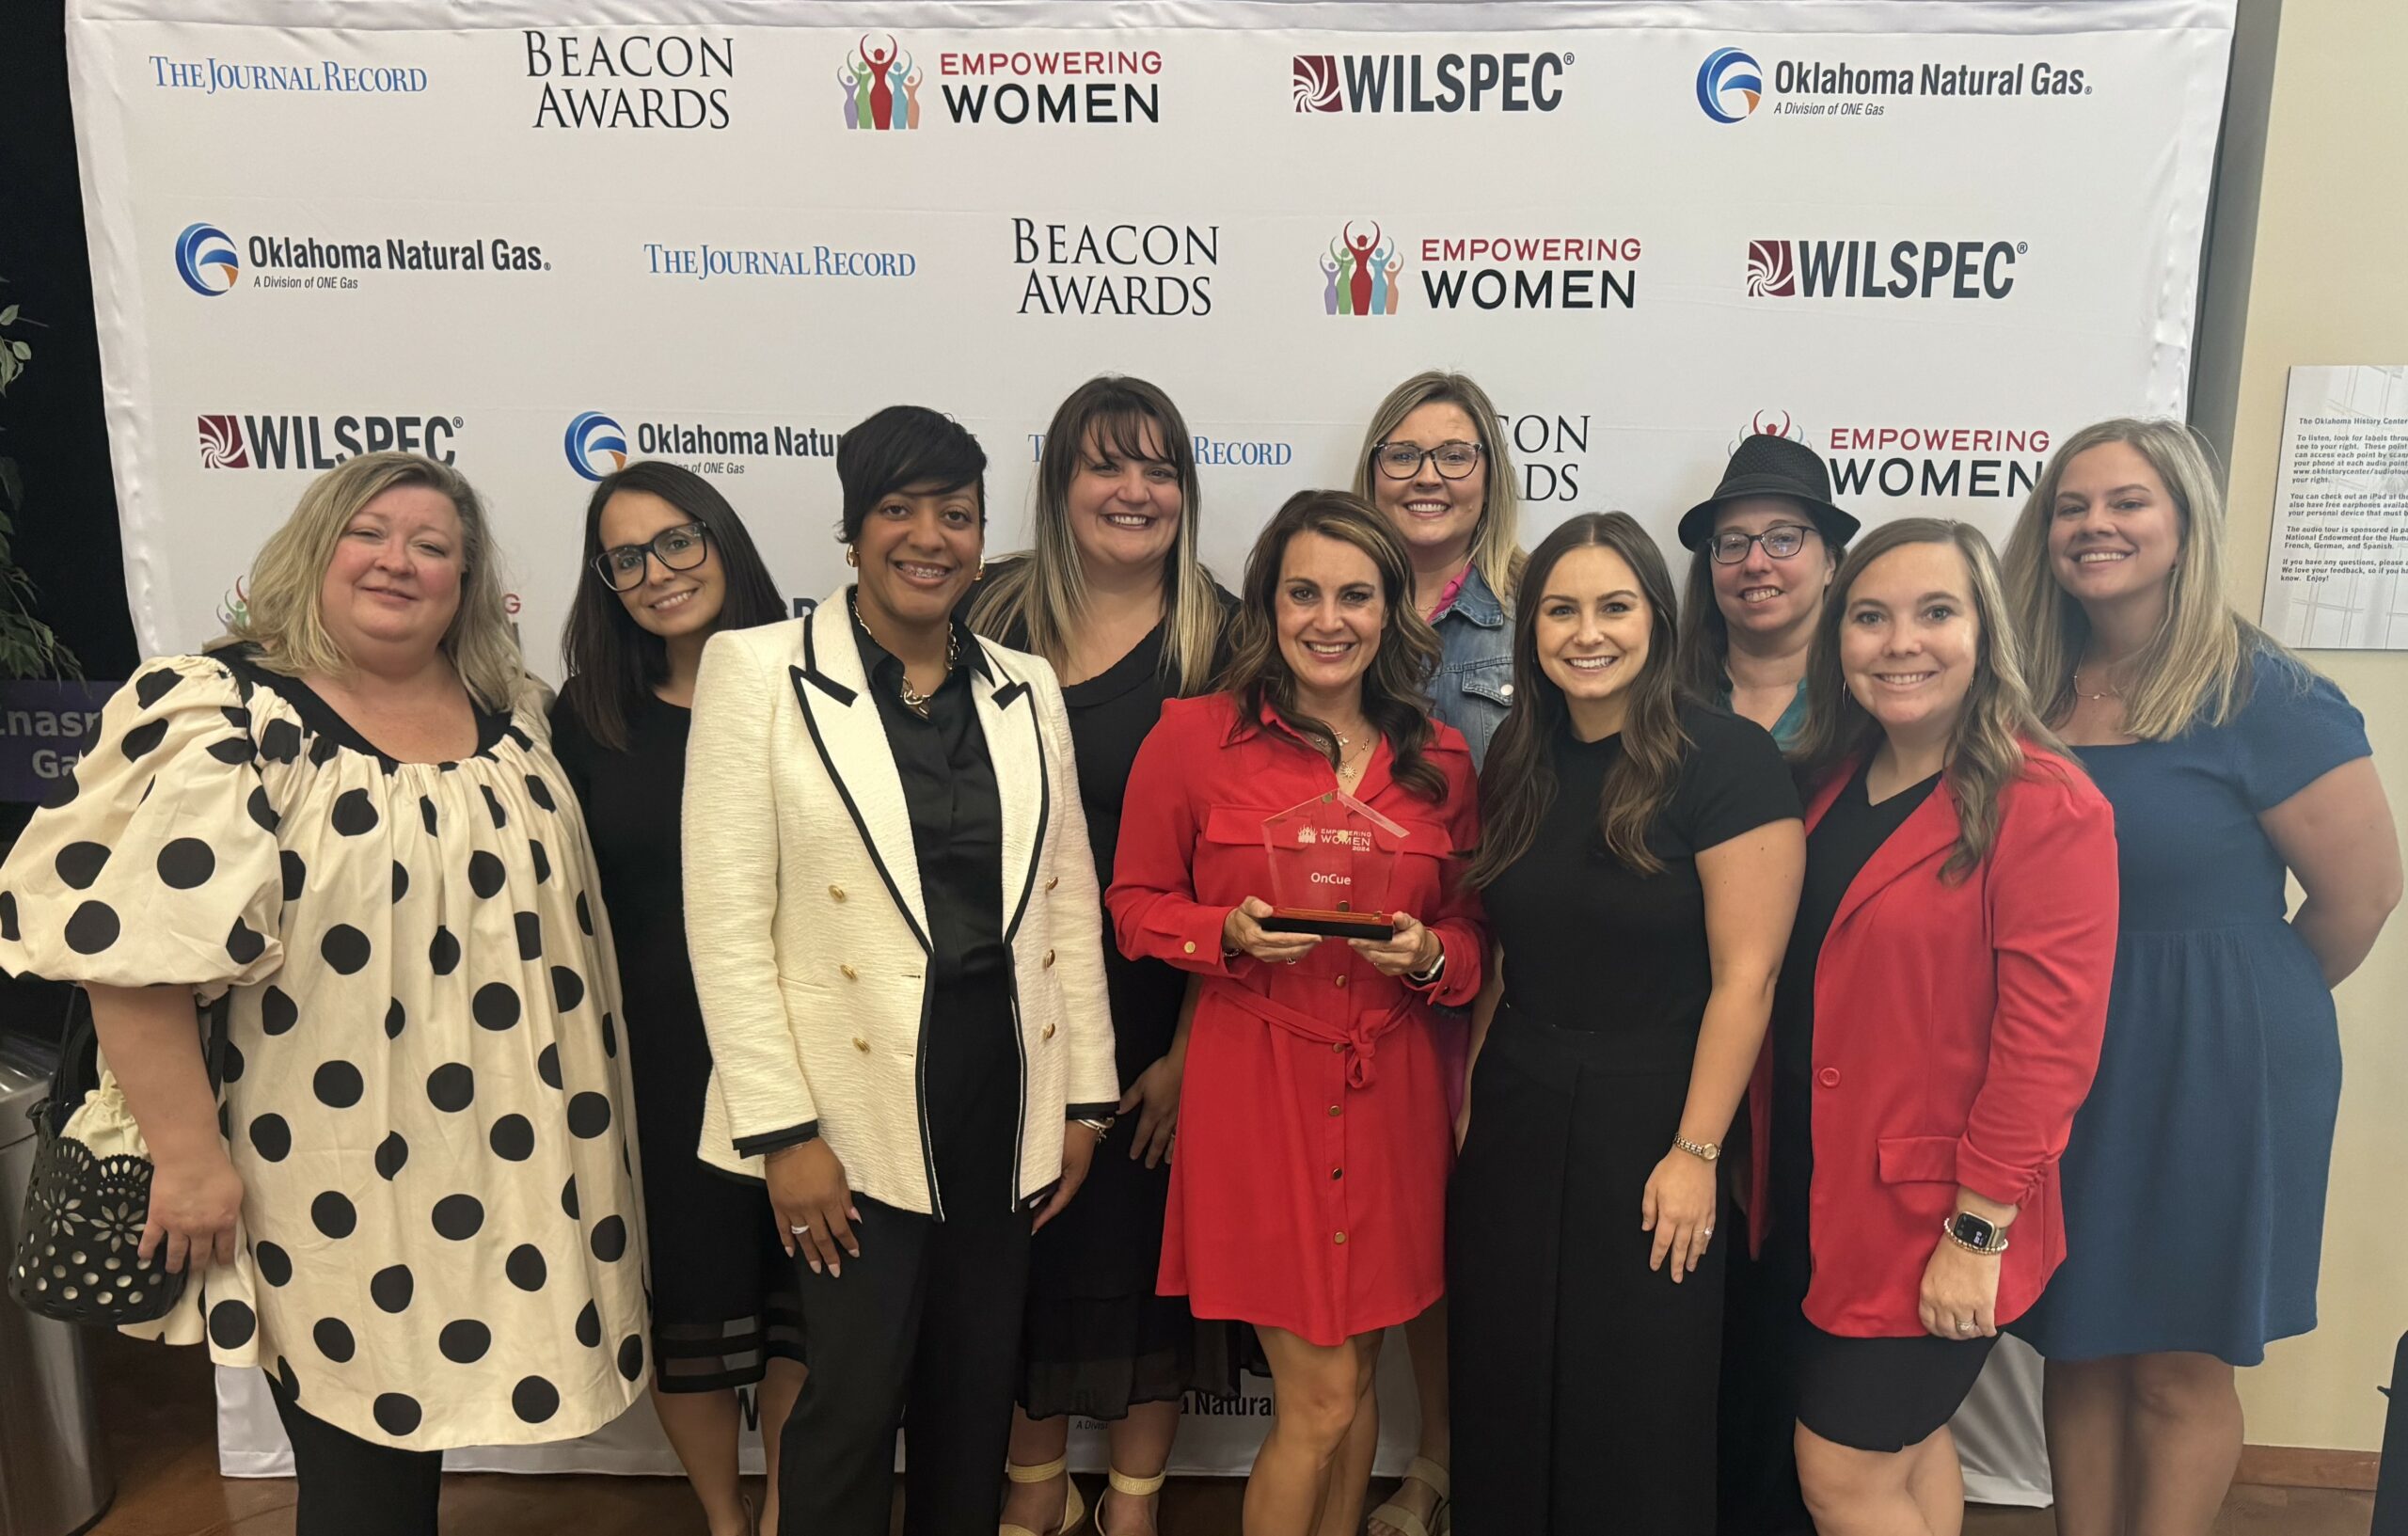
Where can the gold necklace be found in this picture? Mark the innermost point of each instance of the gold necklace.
(913, 699)
(2103, 693)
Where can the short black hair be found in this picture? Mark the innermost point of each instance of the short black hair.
(898, 449)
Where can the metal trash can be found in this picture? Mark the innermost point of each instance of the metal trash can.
(53, 1472)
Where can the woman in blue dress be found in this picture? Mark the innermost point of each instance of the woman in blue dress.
(2194, 1180)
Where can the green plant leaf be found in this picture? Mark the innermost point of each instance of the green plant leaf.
(8, 315)
(21, 349)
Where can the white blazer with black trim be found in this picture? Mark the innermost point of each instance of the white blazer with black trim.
(804, 915)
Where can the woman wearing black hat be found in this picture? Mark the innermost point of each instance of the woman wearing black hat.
(1764, 547)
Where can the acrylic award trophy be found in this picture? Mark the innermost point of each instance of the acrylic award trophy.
(1329, 875)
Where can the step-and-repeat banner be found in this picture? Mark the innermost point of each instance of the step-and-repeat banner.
(1926, 240)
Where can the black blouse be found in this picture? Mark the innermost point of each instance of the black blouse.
(1592, 944)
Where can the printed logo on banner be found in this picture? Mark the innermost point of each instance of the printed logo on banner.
(205, 259)
(1451, 82)
(1245, 452)
(1359, 272)
(1362, 270)
(1551, 449)
(879, 81)
(301, 442)
(1771, 424)
(596, 445)
(1729, 85)
(1871, 269)
(593, 438)
(676, 73)
(331, 77)
(704, 262)
(1123, 270)
(1935, 460)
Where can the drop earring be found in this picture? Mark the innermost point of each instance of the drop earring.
(852, 557)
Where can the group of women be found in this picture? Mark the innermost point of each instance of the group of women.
(884, 1009)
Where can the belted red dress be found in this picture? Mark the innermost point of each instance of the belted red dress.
(1308, 1187)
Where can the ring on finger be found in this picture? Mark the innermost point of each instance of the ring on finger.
(803, 1231)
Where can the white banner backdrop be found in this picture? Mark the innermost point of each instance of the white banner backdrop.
(1926, 240)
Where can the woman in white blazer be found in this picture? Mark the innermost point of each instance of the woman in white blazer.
(897, 944)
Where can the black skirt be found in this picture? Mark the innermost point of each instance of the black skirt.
(1577, 1372)
(1883, 1394)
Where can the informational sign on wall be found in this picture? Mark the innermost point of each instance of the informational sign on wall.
(1926, 240)
(2336, 570)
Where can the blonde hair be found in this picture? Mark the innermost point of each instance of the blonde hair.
(1995, 724)
(2196, 667)
(1046, 595)
(1497, 540)
(282, 616)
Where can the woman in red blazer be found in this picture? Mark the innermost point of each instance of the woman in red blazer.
(1937, 1023)
(1314, 1139)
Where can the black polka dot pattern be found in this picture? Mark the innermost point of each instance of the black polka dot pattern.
(272, 1137)
(396, 1019)
(493, 805)
(452, 1086)
(610, 1238)
(589, 1326)
(296, 874)
(62, 792)
(144, 739)
(464, 1342)
(393, 1156)
(589, 1115)
(232, 1325)
(512, 1138)
(426, 816)
(443, 954)
(525, 1268)
(459, 1217)
(338, 1084)
(631, 1358)
(346, 949)
(277, 1011)
(568, 989)
(93, 927)
(568, 1197)
(230, 1063)
(547, 1066)
(274, 1264)
(155, 685)
(80, 864)
(396, 1413)
(584, 915)
(260, 811)
(541, 793)
(542, 860)
(243, 944)
(400, 881)
(610, 1037)
(333, 1340)
(354, 813)
(280, 741)
(530, 936)
(234, 751)
(186, 863)
(392, 1289)
(8, 916)
(333, 1214)
(535, 1399)
(495, 1007)
(487, 874)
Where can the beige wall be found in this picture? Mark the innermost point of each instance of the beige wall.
(2329, 284)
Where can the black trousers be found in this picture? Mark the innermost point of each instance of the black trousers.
(355, 1487)
(923, 1330)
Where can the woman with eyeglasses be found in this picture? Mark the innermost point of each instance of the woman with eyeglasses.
(1763, 546)
(667, 565)
(1436, 467)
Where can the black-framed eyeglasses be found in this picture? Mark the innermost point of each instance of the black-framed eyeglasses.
(1402, 460)
(679, 549)
(1781, 541)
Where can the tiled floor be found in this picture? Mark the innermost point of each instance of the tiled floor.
(156, 1406)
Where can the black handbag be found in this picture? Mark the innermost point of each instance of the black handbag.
(78, 1258)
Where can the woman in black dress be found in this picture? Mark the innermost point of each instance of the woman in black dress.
(667, 565)
(1113, 597)
(1641, 854)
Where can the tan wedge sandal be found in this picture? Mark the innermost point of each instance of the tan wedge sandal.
(1396, 1518)
(1074, 1507)
(1129, 1487)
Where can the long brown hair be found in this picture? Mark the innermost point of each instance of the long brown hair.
(1395, 696)
(1046, 593)
(1517, 783)
(1994, 723)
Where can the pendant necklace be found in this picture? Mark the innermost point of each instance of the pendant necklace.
(913, 699)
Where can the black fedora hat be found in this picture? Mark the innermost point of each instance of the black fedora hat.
(1765, 465)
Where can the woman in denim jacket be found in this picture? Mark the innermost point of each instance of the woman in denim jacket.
(1434, 463)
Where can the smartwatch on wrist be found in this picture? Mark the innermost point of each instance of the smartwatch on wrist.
(1977, 1234)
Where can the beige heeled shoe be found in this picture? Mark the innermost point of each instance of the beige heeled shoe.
(1129, 1487)
(1074, 1507)
(1396, 1518)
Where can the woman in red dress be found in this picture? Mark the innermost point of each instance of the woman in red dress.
(1308, 1193)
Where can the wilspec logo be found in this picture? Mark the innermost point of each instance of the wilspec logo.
(1933, 460)
(1117, 269)
(596, 445)
(1451, 82)
(1729, 85)
(879, 81)
(1359, 272)
(1871, 269)
(205, 259)
(230, 441)
(689, 64)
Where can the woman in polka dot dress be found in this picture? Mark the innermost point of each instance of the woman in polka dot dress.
(413, 1209)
